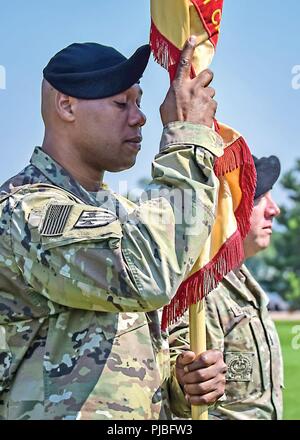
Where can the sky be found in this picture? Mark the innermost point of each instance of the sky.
(257, 92)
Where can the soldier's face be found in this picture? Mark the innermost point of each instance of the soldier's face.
(109, 130)
(259, 236)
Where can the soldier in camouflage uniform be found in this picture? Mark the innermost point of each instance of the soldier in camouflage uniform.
(83, 271)
(238, 322)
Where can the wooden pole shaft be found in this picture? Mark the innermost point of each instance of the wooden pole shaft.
(198, 346)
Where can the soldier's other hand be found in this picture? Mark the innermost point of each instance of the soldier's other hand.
(189, 99)
(202, 377)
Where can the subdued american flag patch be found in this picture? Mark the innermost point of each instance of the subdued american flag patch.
(56, 219)
(95, 219)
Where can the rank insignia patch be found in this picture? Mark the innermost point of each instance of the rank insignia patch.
(55, 220)
(95, 219)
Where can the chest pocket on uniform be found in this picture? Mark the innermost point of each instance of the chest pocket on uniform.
(240, 355)
(263, 352)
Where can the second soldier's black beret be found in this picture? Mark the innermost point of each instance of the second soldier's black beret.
(93, 71)
(267, 171)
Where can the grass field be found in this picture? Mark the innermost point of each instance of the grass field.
(291, 356)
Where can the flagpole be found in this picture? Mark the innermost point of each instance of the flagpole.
(198, 346)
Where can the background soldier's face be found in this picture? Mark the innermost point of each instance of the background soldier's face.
(258, 238)
(108, 131)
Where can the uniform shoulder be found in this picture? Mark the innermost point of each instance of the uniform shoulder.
(39, 191)
(28, 198)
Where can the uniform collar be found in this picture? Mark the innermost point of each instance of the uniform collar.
(248, 288)
(253, 286)
(58, 176)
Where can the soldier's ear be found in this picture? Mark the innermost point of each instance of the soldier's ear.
(64, 107)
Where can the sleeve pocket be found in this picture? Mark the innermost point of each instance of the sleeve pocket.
(106, 236)
(239, 376)
(63, 224)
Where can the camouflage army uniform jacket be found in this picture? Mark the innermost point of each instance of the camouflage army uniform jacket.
(83, 277)
(238, 324)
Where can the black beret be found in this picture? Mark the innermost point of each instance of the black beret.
(93, 71)
(267, 171)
